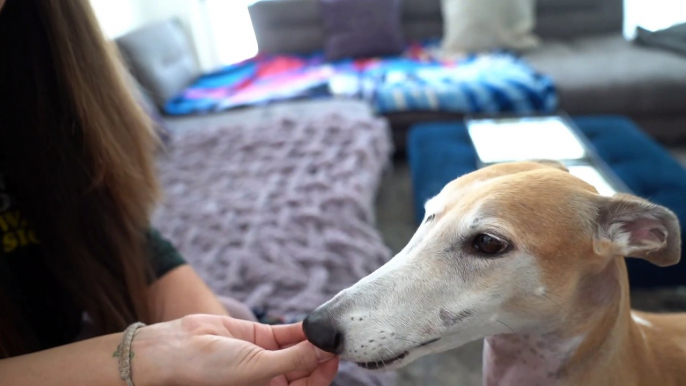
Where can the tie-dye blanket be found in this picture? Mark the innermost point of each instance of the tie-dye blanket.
(415, 81)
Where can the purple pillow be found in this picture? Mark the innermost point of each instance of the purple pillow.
(361, 28)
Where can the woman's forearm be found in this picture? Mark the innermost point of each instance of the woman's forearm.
(90, 362)
(195, 350)
(182, 292)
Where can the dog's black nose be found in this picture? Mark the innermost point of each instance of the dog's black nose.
(322, 332)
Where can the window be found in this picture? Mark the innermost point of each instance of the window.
(232, 32)
(652, 15)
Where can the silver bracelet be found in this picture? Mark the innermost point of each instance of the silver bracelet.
(125, 354)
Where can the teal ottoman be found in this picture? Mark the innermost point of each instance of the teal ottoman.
(439, 152)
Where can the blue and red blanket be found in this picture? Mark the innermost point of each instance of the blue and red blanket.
(415, 81)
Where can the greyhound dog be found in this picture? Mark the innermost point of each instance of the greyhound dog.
(530, 258)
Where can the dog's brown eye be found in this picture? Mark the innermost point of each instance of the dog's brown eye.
(488, 244)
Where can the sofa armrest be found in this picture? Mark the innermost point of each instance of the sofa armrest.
(161, 58)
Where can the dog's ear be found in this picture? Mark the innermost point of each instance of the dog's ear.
(633, 227)
(551, 163)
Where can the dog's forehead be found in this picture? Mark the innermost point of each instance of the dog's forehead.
(521, 190)
(470, 180)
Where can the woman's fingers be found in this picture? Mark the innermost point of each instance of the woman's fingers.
(266, 336)
(323, 375)
(240, 329)
(295, 375)
(303, 357)
(288, 334)
(263, 335)
(286, 352)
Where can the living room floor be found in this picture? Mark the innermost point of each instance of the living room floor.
(462, 366)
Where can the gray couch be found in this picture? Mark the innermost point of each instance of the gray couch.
(160, 57)
(596, 71)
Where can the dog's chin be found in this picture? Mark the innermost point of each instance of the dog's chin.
(404, 358)
(387, 364)
(396, 361)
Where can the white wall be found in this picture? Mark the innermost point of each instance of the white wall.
(117, 17)
(652, 15)
(192, 16)
(220, 30)
(231, 29)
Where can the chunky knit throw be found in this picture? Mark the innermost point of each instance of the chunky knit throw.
(279, 214)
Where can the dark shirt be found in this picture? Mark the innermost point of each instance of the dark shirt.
(43, 306)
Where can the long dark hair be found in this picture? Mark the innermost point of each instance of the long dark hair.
(79, 156)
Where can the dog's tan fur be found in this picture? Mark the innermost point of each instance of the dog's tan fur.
(616, 349)
(554, 308)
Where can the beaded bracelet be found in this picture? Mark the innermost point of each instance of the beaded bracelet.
(125, 353)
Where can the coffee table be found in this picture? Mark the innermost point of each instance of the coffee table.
(439, 152)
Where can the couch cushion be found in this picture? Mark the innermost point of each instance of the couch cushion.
(484, 25)
(361, 28)
(672, 38)
(287, 26)
(607, 74)
(563, 19)
(422, 19)
(161, 58)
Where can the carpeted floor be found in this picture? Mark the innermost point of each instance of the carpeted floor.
(462, 366)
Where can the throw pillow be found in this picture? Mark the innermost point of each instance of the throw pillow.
(482, 25)
(361, 28)
(672, 39)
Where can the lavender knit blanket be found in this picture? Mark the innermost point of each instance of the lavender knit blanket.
(279, 214)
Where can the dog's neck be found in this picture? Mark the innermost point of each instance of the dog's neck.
(596, 330)
(527, 359)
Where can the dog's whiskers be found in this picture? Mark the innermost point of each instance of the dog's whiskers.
(543, 293)
(381, 359)
(389, 351)
(550, 293)
(513, 331)
(554, 302)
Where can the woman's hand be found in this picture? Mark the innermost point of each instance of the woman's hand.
(217, 350)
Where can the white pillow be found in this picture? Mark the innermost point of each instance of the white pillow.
(482, 25)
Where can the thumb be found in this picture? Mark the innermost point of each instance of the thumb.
(301, 357)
